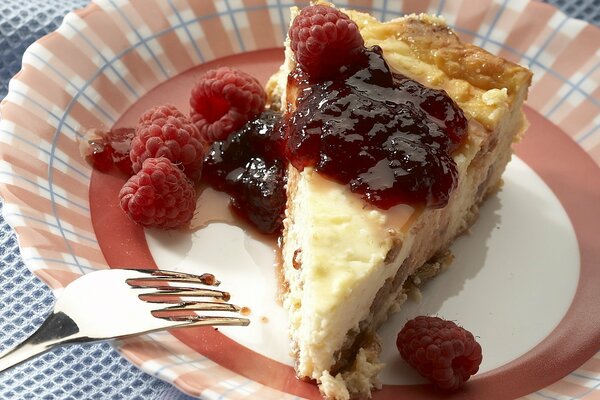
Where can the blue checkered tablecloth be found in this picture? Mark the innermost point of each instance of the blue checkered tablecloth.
(93, 371)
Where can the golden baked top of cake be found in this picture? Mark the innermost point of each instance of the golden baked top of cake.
(424, 48)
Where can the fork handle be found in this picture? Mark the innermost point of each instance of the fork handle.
(57, 329)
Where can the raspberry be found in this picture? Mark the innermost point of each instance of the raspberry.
(440, 350)
(159, 195)
(223, 100)
(165, 132)
(323, 40)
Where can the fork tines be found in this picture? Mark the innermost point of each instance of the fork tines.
(167, 294)
(159, 276)
(183, 309)
(197, 320)
(175, 313)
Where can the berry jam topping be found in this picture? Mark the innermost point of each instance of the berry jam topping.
(386, 136)
(247, 166)
(108, 149)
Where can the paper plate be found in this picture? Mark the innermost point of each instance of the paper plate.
(527, 279)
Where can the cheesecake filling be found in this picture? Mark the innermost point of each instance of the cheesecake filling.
(332, 285)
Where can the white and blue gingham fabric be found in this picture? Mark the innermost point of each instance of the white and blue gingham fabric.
(93, 371)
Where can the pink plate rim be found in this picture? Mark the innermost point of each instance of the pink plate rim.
(103, 58)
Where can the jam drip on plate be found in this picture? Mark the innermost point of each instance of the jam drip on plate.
(386, 136)
(107, 149)
(248, 166)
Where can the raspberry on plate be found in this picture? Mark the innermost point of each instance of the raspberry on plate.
(164, 131)
(159, 195)
(223, 100)
(323, 40)
(441, 351)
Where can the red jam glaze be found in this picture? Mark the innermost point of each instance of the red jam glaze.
(249, 167)
(111, 149)
(386, 136)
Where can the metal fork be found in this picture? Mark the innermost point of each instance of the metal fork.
(116, 303)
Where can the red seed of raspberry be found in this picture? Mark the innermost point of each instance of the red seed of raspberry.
(159, 195)
(440, 350)
(164, 131)
(223, 100)
(323, 40)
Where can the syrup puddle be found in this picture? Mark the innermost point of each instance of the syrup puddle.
(212, 206)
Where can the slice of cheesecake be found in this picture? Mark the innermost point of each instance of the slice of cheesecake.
(348, 263)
